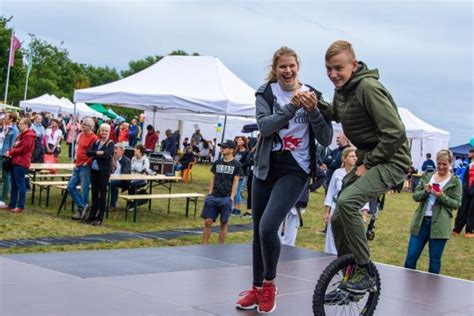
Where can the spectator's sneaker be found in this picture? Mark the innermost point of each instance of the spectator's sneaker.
(247, 215)
(454, 233)
(339, 297)
(96, 222)
(359, 283)
(85, 212)
(249, 299)
(16, 210)
(469, 235)
(266, 303)
(235, 212)
(5, 207)
(2, 204)
(77, 215)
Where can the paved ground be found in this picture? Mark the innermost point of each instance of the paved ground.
(195, 281)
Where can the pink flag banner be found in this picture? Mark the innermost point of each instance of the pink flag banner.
(15, 44)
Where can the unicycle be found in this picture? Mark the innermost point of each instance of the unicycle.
(347, 303)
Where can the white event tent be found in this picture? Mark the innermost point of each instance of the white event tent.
(44, 103)
(423, 137)
(82, 110)
(52, 104)
(179, 84)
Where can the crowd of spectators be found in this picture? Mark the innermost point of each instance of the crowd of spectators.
(98, 150)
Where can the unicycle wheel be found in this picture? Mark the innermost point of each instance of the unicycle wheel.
(344, 303)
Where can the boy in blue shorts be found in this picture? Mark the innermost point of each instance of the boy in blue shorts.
(222, 188)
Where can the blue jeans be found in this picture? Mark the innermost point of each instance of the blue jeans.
(417, 243)
(178, 168)
(6, 184)
(240, 188)
(80, 175)
(18, 193)
(114, 186)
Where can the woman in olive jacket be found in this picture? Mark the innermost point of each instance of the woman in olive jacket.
(438, 193)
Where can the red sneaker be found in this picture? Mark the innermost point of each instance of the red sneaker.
(16, 210)
(250, 299)
(6, 208)
(267, 303)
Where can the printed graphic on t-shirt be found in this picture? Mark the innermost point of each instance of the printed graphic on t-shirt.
(224, 173)
(291, 143)
(225, 169)
(295, 137)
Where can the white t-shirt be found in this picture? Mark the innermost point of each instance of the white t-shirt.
(52, 138)
(334, 187)
(296, 137)
(432, 199)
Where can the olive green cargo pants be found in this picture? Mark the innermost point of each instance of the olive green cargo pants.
(347, 224)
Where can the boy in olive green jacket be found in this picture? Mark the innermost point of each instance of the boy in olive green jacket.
(371, 122)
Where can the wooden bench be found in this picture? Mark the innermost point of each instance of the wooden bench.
(46, 185)
(63, 188)
(193, 197)
(50, 175)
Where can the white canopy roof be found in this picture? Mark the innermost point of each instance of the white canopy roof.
(199, 84)
(424, 138)
(82, 110)
(44, 103)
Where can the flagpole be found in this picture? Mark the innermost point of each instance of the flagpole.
(28, 72)
(8, 71)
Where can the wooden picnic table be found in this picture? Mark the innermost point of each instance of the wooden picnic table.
(155, 177)
(57, 166)
(158, 179)
(35, 167)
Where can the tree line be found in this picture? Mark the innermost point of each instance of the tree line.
(54, 72)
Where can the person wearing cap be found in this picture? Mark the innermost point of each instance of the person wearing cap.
(196, 137)
(226, 173)
(81, 173)
(122, 165)
(54, 135)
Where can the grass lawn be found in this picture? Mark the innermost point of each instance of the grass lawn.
(389, 246)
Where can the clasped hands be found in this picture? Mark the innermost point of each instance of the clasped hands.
(306, 99)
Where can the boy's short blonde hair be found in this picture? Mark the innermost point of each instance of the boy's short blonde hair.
(338, 47)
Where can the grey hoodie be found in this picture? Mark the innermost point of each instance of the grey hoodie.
(272, 117)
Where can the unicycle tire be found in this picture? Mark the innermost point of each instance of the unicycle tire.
(331, 278)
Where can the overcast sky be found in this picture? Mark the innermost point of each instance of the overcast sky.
(423, 50)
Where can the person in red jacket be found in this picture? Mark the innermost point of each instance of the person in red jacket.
(20, 153)
(151, 138)
(123, 133)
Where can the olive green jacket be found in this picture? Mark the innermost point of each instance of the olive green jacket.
(442, 210)
(370, 120)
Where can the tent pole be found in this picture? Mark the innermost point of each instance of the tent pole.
(154, 112)
(223, 132)
(74, 141)
(223, 129)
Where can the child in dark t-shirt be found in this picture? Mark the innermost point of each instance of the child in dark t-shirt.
(225, 177)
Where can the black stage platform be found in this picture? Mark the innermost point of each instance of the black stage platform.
(198, 281)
